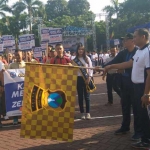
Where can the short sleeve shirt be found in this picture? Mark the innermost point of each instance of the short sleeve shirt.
(17, 65)
(141, 62)
(58, 60)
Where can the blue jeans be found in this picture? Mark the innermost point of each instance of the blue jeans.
(83, 94)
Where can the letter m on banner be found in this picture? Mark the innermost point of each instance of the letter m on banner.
(14, 87)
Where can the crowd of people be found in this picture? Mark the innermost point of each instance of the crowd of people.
(127, 71)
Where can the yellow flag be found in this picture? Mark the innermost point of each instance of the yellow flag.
(49, 102)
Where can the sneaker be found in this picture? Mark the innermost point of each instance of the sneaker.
(6, 117)
(121, 131)
(88, 116)
(108, 104)
(141, 145)
(136, 137)
(83, 116)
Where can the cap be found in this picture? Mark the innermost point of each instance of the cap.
(49, 45)
(127, 36)
(53, 50)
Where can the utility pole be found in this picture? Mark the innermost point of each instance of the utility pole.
(94, 33)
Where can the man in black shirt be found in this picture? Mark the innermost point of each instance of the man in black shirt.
(127, 89)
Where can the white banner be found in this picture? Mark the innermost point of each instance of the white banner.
(70, 43)
(37, 52)
(51, 35)
(14, 87)
(45, 34)
(116, 42)
(8, 41)
(26, 42)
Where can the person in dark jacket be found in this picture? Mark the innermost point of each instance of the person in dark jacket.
(127, 89)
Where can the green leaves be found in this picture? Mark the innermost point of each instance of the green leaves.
(78, 7)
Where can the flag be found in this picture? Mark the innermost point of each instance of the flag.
(49, 102)
(112, 35)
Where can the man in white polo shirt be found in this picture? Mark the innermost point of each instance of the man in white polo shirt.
(141, 79)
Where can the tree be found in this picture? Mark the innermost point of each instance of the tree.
(30, 5)
(4, 8)
(112, 10)
(56, 8)
(78, 7)
(41, 12)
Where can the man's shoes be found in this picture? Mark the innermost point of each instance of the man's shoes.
(6, 117)
(141, 145)
(121, 131)
(136, 137)
(88, 116)
(108, 104)
(82, 116)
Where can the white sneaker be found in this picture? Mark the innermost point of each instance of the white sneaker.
(88, 116)
(83, 116)
(6, 117)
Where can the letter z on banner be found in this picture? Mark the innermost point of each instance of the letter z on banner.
(14, 86)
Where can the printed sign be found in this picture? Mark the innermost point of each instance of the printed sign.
(8, 41)
(26, 42)
(45, 34)
(14, 87)
(37, 52)
(55, 35)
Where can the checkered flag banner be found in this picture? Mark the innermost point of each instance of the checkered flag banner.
(49, 102)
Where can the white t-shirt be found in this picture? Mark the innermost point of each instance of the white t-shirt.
(72, 57)
(141, 61)
(90, 72)
(105, 56)
(94, 57)
(2, 66)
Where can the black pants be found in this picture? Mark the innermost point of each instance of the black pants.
(112, 84)
(83, 94)
(129, 99)
(142, 112)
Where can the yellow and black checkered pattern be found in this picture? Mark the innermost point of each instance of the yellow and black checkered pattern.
(49, 124)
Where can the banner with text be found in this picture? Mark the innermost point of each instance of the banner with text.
(55, 35)
(51, 35)
(70, 43)
(14, 87)
(45, 34)
(8, 41)
(37, 52)
(26, 42)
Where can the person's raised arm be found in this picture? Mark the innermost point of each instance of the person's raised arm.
(123, 65)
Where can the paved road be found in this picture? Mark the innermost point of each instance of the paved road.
(94, 134)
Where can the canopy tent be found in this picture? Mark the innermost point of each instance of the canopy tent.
(131, 30)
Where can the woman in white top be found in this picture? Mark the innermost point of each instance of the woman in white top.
(83, 60)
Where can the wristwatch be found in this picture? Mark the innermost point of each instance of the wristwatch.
(147, 95)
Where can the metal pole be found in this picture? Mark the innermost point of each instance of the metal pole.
(94, 34)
